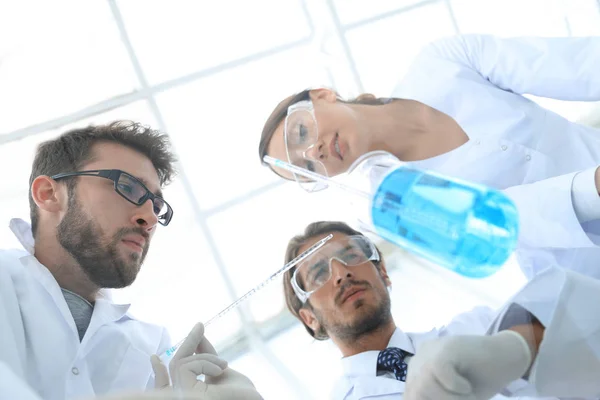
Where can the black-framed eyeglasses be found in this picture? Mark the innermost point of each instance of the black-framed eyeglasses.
(131, 189)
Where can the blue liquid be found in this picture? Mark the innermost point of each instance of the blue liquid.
(467, 228)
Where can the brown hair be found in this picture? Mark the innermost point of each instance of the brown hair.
(278, 116)
(312, 231)
(70, 151)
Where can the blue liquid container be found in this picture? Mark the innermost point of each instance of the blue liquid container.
(467, 228)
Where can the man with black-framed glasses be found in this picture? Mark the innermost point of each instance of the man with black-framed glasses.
(95, 204)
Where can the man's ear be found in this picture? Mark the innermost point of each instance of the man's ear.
(309, 319)
(48, 194)
(328, 95)
(383, 273)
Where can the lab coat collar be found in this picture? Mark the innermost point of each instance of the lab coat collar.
(365, 363)
(22, 230)
(104, 313)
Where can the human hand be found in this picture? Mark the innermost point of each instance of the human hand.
(196, 357)
(466, 367)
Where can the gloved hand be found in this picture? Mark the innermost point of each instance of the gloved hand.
(466, 367)
(196, 356)
(159, 395)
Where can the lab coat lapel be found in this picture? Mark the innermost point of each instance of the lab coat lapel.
(22, 231)
(105, 312)
(568, 341)
(47, 281)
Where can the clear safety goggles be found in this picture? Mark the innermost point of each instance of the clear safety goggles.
(315, 271)
(301, 136)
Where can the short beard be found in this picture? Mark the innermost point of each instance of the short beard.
(365, 325)
(81, 237)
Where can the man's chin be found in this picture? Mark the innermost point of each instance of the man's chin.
(364, 314)
(123, 276)
(119, 283)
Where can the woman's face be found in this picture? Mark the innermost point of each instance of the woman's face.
(339, 142)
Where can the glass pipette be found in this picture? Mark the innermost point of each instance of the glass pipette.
(313, 176)
(171, 350)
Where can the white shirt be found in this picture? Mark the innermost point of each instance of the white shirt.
(41, 356)
(531, 153)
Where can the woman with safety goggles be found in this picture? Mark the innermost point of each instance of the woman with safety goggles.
(460, 112)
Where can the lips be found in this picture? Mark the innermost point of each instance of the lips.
(334, 147)
(351, 291)
(137, 240)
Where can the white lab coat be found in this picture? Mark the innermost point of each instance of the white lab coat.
(568, 361)
(514, 144)
(41, 356)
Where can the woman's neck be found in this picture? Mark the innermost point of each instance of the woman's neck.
(412, 130)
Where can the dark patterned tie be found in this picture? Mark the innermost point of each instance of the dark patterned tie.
(392, 360)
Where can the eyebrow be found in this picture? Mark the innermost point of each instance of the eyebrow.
(344, 249)
(320, 263)
(158, 192)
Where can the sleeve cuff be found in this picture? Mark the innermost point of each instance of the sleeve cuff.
(586, 201)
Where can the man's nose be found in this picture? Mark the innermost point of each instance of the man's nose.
(145, 216)
(340, 272)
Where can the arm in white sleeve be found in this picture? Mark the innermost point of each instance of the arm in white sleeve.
(586, 201)
(567, 363)
(12, 387)
(547, 214)
(560, 68)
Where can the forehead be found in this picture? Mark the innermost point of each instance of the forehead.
(337, 238)
(107, 155)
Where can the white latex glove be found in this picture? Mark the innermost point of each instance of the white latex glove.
(160, 395)
(466, 367)
(195, 357)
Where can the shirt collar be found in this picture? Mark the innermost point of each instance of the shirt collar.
(365, 363)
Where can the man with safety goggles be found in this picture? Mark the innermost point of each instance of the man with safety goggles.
(340, 292)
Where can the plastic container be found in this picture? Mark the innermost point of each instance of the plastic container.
(468, 228)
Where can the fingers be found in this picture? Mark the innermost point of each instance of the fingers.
(161, 374)
(206, 347)
(186, 370)
(208, 358)
(189, 345)
(231, 377)
(194, 343)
